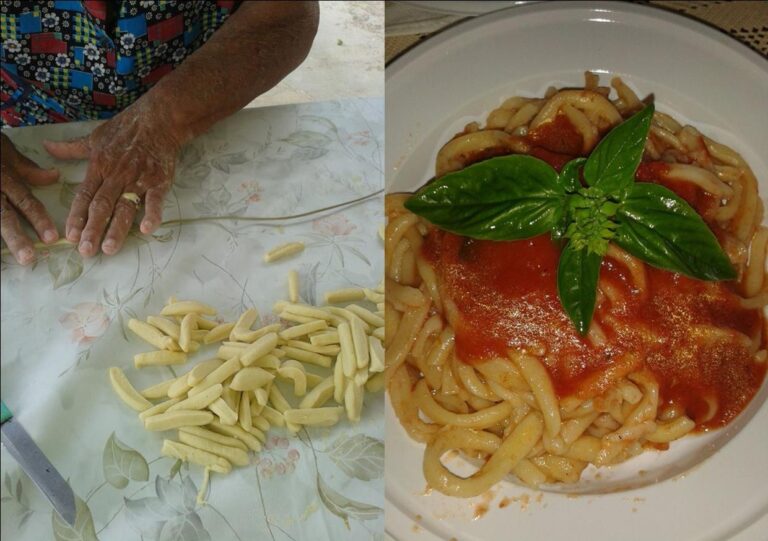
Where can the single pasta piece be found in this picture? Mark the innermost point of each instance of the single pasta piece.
(245, 436)
(318, 396)
(166, 325)
(274, 417)
(250, 379)
(207, 324)
(353, 401)
(344, 295)
(259, 423)
(374, 296)
(293, 286)
(283, 251)
(132, 197)
(244, 324)
(159, 358)
(366, 315)
(227, 369)
(199, 401)
(376, 352)
(342, 315)
(188, 324)
(226, 414)
(252, 336)
(178, 388)
(198, 335)
(360, 344)
(214, 436)
(126, 391)
(259, 348)
(236, 456)
(270, 361)
(159, 390)
(151, 335)
(183, 308)
(244, 412)
(227, 352)
(314, 416)
(308, 356)
(294, 370)
(347, 354)
(303, 329)
(187, 453)
(176, 419)
(332, 349)
(324, 339)
(375, 383)
(304, 310)
(199, 372)
(157, 409)
(218, 333)
(339, 380)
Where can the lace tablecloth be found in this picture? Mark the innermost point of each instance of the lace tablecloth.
(64, 324)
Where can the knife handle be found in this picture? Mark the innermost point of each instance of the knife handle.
(5, 413)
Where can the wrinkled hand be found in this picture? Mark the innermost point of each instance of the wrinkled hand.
(132, 153)
(16, 171)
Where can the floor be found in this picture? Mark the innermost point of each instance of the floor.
(346, 60)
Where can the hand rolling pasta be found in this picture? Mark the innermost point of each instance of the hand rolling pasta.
(481, 355)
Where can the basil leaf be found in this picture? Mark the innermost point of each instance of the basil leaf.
(506, 198)
(612, 165)
(660, 228)
(563, 218)
(577, 274)
(569, 175)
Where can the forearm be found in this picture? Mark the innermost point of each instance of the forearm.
(255, 48)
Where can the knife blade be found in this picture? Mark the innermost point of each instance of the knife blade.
(37, 466)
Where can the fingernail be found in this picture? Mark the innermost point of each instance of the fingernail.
(86, 247)
(50, 235)
(25, 256)
(146, 226)
(73, 235)
(109, 246)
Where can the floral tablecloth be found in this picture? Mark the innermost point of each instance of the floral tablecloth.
(64, 323)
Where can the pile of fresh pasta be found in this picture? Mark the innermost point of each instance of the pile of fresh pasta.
(223, 407)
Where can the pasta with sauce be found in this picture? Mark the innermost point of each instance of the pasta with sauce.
(481, 357)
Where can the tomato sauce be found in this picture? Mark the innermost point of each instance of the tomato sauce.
(505, 293)
(657, 172)
(559, 136)
(506, 297)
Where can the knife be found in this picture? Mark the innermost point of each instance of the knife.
(36, 465)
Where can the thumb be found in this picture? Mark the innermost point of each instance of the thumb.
(34, 174)
(76, 149)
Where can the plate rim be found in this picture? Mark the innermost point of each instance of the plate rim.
(436, 40)
(504, 4)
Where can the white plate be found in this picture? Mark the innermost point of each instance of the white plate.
(470, 8)
(701, 77)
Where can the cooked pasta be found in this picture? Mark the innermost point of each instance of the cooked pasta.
(481, 358)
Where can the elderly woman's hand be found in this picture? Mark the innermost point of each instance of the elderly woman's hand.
(133, 155)
(16, 171)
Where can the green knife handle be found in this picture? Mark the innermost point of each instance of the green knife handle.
(5, 413)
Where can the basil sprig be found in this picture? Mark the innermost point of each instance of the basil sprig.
(518, 196)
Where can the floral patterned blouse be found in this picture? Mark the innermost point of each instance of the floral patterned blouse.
(65, 60)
